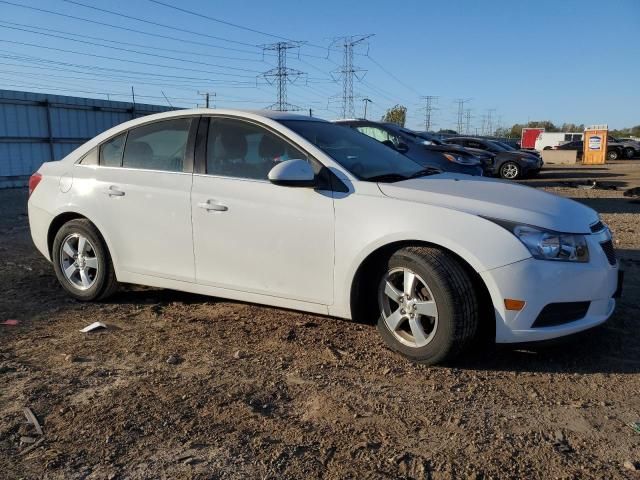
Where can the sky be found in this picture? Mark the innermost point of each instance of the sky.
(564, 61)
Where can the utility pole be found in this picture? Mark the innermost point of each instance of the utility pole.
(461, 102)
(348, 70)
(282, 75)
(207, 98)
(133, 102)
(428, 110)
(365, 101)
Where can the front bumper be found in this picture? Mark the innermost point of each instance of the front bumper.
(540, 283)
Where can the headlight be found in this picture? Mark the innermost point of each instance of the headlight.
(547, 245)
(461, 160)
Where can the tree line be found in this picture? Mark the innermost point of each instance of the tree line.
(398, 115)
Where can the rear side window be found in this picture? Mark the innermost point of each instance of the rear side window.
(158, 146)
(111, 151)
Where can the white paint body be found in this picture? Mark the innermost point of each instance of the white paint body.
(553, 139)
(301, 248)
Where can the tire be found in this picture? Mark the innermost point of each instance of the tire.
(546, 148)
(442, 289)
(510, 171)
(629, 153)
(612, 155)
(88, 276)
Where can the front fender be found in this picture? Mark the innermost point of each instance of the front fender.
(366, 224)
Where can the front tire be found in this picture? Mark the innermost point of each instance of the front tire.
(82, 262)
(510, 171)
(428, 306)
(612, 155)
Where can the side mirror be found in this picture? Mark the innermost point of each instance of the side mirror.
(402, 147)
(293, 173)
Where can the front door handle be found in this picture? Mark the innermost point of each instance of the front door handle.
(211, 205)
(113, 191)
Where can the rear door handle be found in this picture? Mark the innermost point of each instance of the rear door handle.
(211, 205)
(113, 191)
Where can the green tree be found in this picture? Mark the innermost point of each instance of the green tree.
(396, 114)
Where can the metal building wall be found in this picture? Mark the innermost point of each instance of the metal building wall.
(37, 128)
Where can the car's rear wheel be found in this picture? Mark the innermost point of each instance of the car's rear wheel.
(82, 262)
(510, 170)
(428, 307)
(612, 155)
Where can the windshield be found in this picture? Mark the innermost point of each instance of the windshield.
(496, 146)
(364, 157)
(505, 145)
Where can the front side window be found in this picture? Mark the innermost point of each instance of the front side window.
(158, 146)
(111, 151)
(245, 150)
(474, 144)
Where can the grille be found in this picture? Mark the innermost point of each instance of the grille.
(596, 227)
(559, 313)
(609, 251)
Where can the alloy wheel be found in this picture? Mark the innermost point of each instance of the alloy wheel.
(408, 307)
(510, 170)
(78, 261)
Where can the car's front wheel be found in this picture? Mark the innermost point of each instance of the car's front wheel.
(630, 152)
(428, 307)
(82, 262)
(612, 155)
(510, 170)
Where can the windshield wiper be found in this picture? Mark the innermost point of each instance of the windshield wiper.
(425, 172)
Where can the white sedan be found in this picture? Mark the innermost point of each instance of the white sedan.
(300, 213)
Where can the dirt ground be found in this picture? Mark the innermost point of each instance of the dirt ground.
(184, 386)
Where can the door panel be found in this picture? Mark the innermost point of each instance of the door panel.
(146, 213)
(251, 235)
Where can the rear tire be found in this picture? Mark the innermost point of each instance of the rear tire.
(428, 307)
(82, 262)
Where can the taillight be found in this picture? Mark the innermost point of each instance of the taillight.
(34, 180)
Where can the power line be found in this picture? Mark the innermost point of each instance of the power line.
(85, 42)
(207, 97)
(409, 87)
(158, 24)
(119, 27)
(348, 71)
(151, 47)
(282, 75)
(94, 55)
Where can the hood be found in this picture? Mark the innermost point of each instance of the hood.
(495, 199)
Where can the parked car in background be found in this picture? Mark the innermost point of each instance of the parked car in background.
(508, 164)
(296, 212)
(615, 150)
(486, 158)
(408, 143)
(511, 148)
(631, 147)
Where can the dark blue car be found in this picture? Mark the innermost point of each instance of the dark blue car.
(447, 158)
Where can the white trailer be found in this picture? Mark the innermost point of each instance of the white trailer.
(548, 140)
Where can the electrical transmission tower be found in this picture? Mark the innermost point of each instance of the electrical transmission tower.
(348, 70)
(490, 128)
(282, 75)
(461, 102)
(429, 100)
(467, 121)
